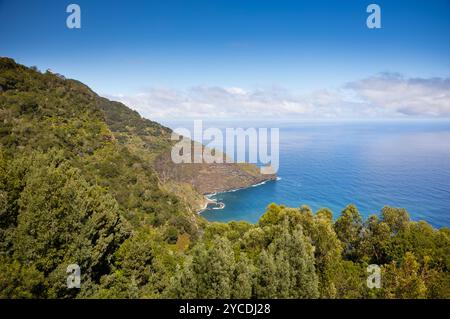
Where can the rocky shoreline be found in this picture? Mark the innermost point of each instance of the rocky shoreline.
(208, 200)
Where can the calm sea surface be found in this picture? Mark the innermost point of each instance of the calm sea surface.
(369, 164)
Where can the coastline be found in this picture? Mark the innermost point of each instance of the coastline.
(208, 200)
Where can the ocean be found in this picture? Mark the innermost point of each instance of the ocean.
(332, 164)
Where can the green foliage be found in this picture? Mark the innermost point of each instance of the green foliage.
(294, 263)
(348, 229)
(349, 279)
(208, 274)
(69, 191)
(404, 280)
(396, 218)
(63, 220)
(142, 267)
(78, 185)
(18, 280)
(243, 278)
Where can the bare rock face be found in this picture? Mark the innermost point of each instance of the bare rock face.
(210, 178)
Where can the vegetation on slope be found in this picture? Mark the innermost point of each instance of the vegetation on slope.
(78, 185)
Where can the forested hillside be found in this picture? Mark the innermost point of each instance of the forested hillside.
(79, 185)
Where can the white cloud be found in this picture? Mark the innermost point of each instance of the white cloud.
(384, 95)
(394, 94)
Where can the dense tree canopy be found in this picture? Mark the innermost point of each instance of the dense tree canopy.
(77, 186)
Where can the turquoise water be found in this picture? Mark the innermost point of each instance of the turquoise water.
(369, 164)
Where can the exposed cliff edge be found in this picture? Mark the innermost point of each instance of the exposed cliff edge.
(207, 178)
(46, 110)
(153, 142)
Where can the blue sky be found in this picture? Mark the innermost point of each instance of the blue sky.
(148, 53)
